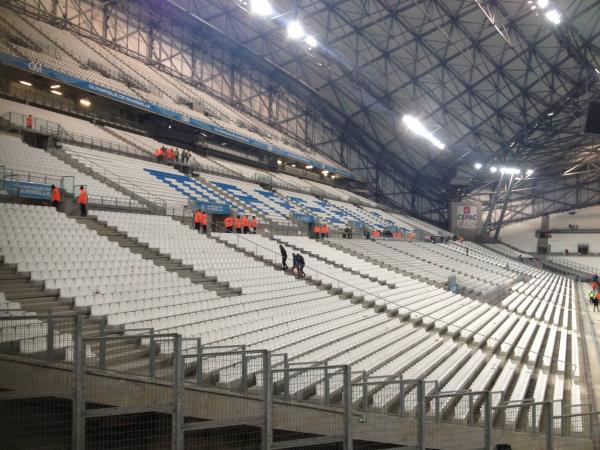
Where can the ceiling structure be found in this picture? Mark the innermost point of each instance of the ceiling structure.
(495, 80)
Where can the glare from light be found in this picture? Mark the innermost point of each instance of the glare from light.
(295, 30)
(309, 167)
(325, 172)
(510, 170)
(261, 7)
(597, 70)
(55, 86)
(415, 125)
(550, 114)
(26, 83)
(478, 166)
(333, 177)
(493, 169)
(529, 172)
(542, 3)
(553, 16)
(279, 162)
(311, 41)
(56, 92)
(293, 165)
(84, 102)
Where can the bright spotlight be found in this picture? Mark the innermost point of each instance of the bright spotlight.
(295, 30)
(55, 86)
(84, 102)
(325, 172)
(529, 172)
(311, 41)
(542, 3)
(25, 83)
(510, 170)
(478, 166)
(415, 125)
(309, 167)
(553, 16)
(493, 169)
(261, 7)
(55, 92)
(279, 162)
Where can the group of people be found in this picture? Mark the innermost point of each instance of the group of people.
(170, 155)
(82, 199)
(321, 230)
(241, 224)
(297, 262)
(200, 221)
(594, 294)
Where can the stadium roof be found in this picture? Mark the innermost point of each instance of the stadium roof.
(492, 79)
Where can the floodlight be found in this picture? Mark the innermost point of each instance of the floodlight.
(510, 170)
(311, 41)
(279, 162)
(493, 169)
(325, 172)
(309, 167)
(478, 166)
(55, 86)
(293, 165)
(553, 16)
(542, 3)
(85, 102)
(529, 172)
(26, 83)
(56, 92)
(295, 30)
(415, 125)
(261, 7)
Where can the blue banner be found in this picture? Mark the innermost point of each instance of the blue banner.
(213, 208)
(138, 103)
(27, 189)
(304, 218)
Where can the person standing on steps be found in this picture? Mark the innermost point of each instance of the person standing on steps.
(228, 222)
(82, 200)
(204, 222)
(29, 122)
(596, 301)
(253, 223)
(238, 225)
(283, 252)
(55, 196)
(245, 224)
(197, 220)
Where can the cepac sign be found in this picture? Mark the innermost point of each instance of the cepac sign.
(466, 217)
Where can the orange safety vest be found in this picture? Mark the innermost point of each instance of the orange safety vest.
(238, 223)
(317, 229)
(29, 121)
(197, 217)
(245, 221)
(253, 223)
(55, 195)
(228, 222)
(157, 152)
(82, 199)
(204, 219)
(325, 229)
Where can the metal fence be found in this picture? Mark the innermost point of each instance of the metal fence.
(70, 382)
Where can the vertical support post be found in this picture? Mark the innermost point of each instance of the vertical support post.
(177, 417)
(401, 410)
(347, 408)
(533, 417)
(365, 392)
(152, 361)
(78, 394)
(549, 426)
(244, 381)
(470, 408)
(50, 337)
(421, 414)
(286, 377)
(326, 382)
(102, 350)
(488, 420)
(267, 427)
(436, 401)
(199, 361)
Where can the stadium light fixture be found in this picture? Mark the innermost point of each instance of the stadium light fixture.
(309, 167)
(261, 7)
(55, 86)
(510, 170)
(542, 3)
(415, 125)
(279, 162)
(55, 92)
(493, 169)
(478, 166)
(295, 30)
(85, 102)
(26, 83)
(311, 41)
(529, 172)
(325, 172)
(293, 165)
(553, 16)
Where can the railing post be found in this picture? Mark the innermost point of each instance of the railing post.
(436, 402)
(152, 361)
(267, 426)
(286, 377)
(50, 337)
(365, 392)
(533, 417)
(177, 416)
(401, 410)
(421, 414)
(347, 408)
(549, 426)
(326, 384)
(78, 431)
(488, 420)
(244, 381)
(102, 349)
(199, 361)
(470, 408)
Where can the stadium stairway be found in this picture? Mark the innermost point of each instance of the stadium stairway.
(111, 233)
(125, 139)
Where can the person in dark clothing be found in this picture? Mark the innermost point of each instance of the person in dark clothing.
(283, 257)
(595, 301)
(300, 265)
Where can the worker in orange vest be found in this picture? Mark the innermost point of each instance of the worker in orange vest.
(245, 224)
(325, 230)
(228, 224)
(197, 220)
(253, 224)
(82, 200)
(317, 230)
(54, 196)
(204, 222)
(238, 225)
(29, 122)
